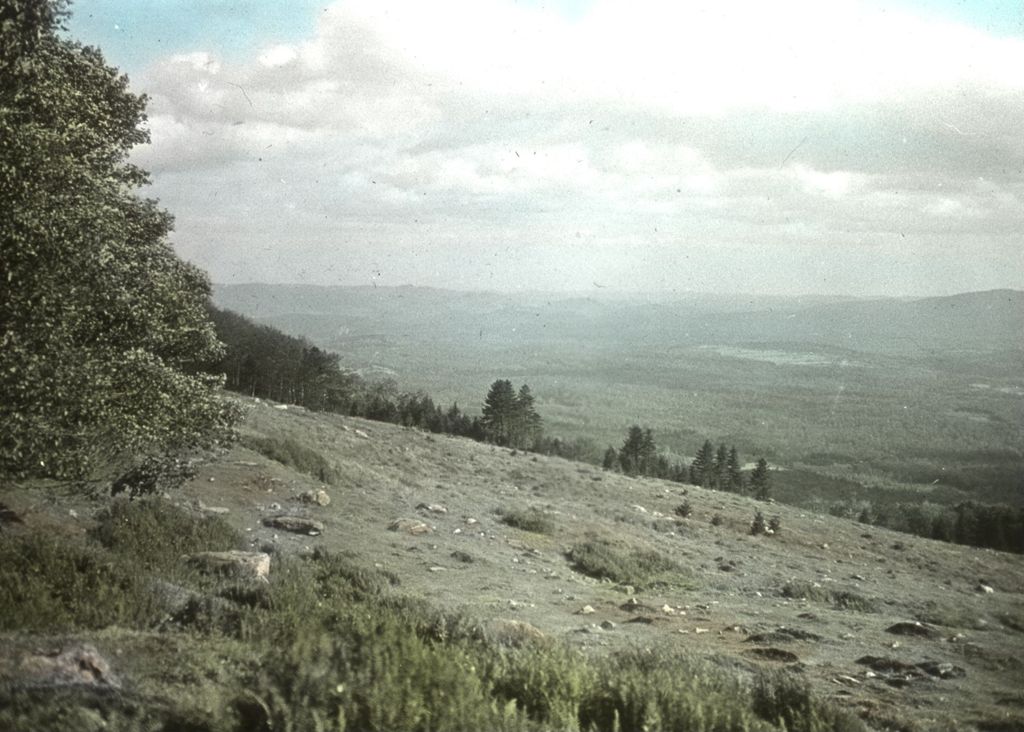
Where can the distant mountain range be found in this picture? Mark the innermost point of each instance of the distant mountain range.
(331, 316)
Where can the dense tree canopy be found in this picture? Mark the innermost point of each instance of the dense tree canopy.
(103, 329)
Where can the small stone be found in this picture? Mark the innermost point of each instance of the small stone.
(608, 625)
(432, 507)
(437, 569)
(586, 610)
(77, 665)
(668, 610)
(985, 589)
(698, 631)
(362, 434)
(275, 506)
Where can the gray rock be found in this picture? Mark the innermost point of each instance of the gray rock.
(295, 524)
(79, 664)
(244, 565)
(319, 497)
(915, 628)
(942, 670)
(409, 526)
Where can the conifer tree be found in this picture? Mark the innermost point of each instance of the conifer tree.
(701, 467)
(611, 458)
(719, 470)
(499, 413)
(526, 421)
(734, 471)
(760, 480)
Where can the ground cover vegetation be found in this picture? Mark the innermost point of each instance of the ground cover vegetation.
(331, 644)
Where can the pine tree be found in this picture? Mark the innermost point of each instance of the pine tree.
(632, 452)
(701, 467)
(719, 470)
(527, 423)
(611, 459)
(760, 480)
(499, 413)
(734, 472)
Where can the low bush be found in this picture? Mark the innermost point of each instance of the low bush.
(155, 533)
(528, 519)
(786, 701)
(54, 584)
(289, 451)
(603, 559)
(841, 599)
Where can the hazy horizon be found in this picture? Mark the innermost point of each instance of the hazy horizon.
(856, 148)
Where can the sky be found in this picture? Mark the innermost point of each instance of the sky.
(792, 147)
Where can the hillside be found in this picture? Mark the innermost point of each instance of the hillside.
(816, 598)
(914, 396)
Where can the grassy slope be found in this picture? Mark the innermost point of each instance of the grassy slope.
(882, 392)
(725, 585)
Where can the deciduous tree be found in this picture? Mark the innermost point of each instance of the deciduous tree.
(104, 335)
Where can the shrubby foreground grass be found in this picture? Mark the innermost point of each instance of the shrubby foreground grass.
(329, 645)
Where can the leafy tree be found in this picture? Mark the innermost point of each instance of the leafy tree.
(701, 469)
(104, 335)
(760, 480)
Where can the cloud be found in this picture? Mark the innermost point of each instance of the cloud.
(430, 129)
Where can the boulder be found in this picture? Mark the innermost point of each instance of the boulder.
(517, 633)
(244, 565)
(295, 524)
(942, 670)
(409, 526)
(915, 628)
(318, 497)
(773, 654)
(79, 664)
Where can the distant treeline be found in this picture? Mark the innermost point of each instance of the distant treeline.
(261, 361)
(991, 526)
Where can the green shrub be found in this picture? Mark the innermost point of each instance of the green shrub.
(54, 584)
(603, 559)
(377, 674)
(644, 690)
(155, 533)
(786, 701)
(528, 519)
(294, 454)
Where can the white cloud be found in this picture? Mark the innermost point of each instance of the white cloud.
(639, 123)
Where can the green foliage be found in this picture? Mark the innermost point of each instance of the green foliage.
(645, 690)
(54, 584)
(785, 700)
(155, 533)
(104, 328)
(528, 519)
(604, 559)
(291, 452)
